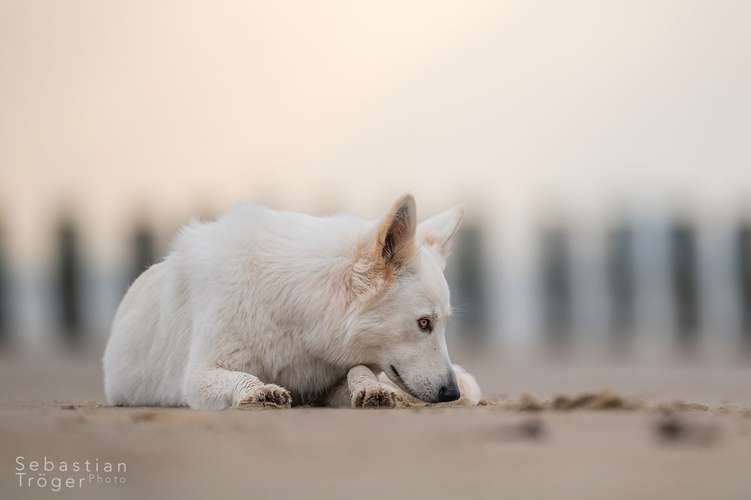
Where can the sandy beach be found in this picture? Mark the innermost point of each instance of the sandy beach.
(697, 449)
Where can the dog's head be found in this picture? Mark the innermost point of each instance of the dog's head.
(401, 324)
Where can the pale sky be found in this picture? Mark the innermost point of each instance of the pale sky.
(118, 108)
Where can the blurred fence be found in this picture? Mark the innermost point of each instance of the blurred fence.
(4, 291)
(475, 290)
(743, 263)
(68, 280)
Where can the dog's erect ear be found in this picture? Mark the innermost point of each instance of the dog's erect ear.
(395, 241)
(438, 231)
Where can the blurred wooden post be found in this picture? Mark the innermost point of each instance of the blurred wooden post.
(743, 263)
(4, 293)
(69, 281)
(621, 284)
(556, 297)
(685, 279)
(144, 250)
(468, 288)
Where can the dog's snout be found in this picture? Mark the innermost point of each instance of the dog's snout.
(448, 392)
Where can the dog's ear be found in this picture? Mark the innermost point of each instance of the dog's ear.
(395, 239)
(438, 231)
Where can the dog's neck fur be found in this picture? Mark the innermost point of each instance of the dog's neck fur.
(353, 281)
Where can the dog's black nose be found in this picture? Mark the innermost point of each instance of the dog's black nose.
(448, 393)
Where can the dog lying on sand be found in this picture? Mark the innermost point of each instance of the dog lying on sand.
(269, 308)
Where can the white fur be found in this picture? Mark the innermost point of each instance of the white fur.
(261, 301)
(468, 386)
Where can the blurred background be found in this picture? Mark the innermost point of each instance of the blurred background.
(602, 151)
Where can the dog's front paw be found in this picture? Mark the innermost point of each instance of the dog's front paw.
(375, 396)
(267, 395)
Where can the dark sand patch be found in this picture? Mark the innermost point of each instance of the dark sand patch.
(606, 400)
(675, 429)
(144, 416)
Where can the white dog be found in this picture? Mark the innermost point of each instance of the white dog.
(267, 308)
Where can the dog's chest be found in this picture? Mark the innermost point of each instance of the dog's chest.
(279, 353)
(308, 379)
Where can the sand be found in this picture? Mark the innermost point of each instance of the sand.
(617, 444)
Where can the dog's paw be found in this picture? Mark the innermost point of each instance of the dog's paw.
(268, 395)
(468, 388)
(375, 396)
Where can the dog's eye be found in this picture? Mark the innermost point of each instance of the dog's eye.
(425, 324)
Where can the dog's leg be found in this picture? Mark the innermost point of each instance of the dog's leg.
(217, 389)
(362, 390)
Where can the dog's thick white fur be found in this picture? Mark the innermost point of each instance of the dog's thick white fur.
(268, 308)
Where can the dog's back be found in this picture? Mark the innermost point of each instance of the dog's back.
(253, 259)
